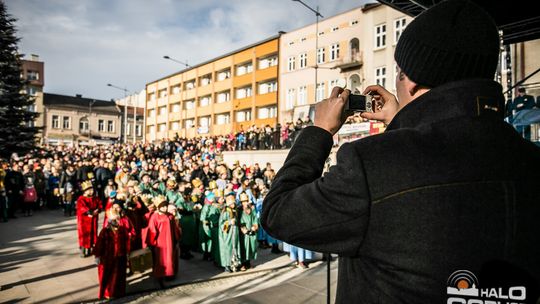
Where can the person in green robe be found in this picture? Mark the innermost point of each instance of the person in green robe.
(208, 230)
(229, 241)
(157, 188)
(146, 185)
(188, 224)
(249, 225)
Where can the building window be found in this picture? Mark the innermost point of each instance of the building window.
(190, 84)
(267, 112)
(244, 115)
(223, 119)
(175, 89)
(333, 83)
(353, 22)
(290, 64)
(138, 130)
(110, 126)
(243, 92)
(66, 122)
(32, 91)
(206, 80)
(162, 93)
(162, 111)
(101, 125)
(268, 62)
(83, 125)
(205, 101)
(303, 39)
(175, 126)
(128, 132)
(335, 28)
(189, 104)
(151, 113)
(380, 36)
(223, 97)
(380, 76)
(321, 33)
(268, 87)
(320, 55)
(302, 95)
(244, 68)
(55, 122)
(162, 127)
(224, 74)
(204, 121)
(291, 43)
(189, 123)
(152, 96)
(32, 75)
(303, 60)
(320, 92)
(399, 26)
(334, 51)
(175, 108)
(289, 99)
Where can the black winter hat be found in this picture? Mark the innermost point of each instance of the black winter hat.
(453, 40)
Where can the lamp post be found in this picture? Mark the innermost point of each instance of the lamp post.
(125, 107)
(177, 61)
(90, 104)
(317, 15)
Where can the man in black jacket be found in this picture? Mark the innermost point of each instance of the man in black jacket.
(445, 202)
(14, 183)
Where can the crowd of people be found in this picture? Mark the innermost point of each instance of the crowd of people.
(175, 197)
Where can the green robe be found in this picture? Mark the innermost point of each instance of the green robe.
(229, 241)
(248, 242)
(188, 224)
(208, 230)
(144, 187)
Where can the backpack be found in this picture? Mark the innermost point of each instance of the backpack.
(30, 195)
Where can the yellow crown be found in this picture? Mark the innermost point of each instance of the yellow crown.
(159, 200)
(86, 185)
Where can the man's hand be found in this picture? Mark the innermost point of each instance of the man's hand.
(329, 113)
(385, 107)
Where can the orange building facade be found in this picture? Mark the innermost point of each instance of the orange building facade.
(218, 97)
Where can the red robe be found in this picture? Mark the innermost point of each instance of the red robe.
(87, 226)
(107, 208)
(163, 235)
(112, 248)
(144, 229)
(136, 215)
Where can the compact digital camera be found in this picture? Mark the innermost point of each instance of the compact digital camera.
(359, 103)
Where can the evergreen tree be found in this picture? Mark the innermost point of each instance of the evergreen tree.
(17, 134)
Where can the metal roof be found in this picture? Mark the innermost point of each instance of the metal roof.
(518, 19)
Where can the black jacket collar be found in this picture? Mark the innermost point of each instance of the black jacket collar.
(468, 98)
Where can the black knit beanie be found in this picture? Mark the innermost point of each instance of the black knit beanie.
(453, 40)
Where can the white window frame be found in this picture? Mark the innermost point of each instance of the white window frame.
(268, 87)
(302, 61)
(267, 112)
(335, 28)
(111, 126)
(244, 92)
(243, 115)
(289, 99)
(68, 122)
(55, 121)
(321, 55)
(138, 130)
(162, 127)
(205, 101)
(176, 89)
(162, 111)
(223, 119)
(399, 27)
(223, 97)
(380, 36)
(162, 93)
(176, 108)
(319, 94)
(206, 80)
(175, 126)
(380, 76)
(189, 123)
(334, 51)
(291, 62)
(84, 125)
(101, 125)
(353, 22)
(151, 113)
(302, 96)
(224, 74)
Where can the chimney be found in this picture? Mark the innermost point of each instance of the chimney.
(78, 95)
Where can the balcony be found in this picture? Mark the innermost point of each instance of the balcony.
(351, 62)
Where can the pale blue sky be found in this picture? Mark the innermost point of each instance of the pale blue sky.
(86, 44)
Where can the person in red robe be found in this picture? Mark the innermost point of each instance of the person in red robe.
(147, 201)
(111, 252)
(110, 200)
(163, 236)
(135, 211)
(88, 208)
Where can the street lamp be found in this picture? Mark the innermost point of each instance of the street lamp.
(317, 15)
(177, 61)
(90, 104)
(125, 107)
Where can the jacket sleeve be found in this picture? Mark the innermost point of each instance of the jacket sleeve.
(324, 214)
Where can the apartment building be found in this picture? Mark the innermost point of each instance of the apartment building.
(75, 120)
(357, 46)
(33, 70)
(132, 125)
(223, 95)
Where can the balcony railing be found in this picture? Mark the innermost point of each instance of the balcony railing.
(349, 62)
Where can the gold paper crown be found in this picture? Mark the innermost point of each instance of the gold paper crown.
(146, 199)
(212, 185)
(171, 182)
(196, 182)
(244, 197)
(86, 185)
(159, 200)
